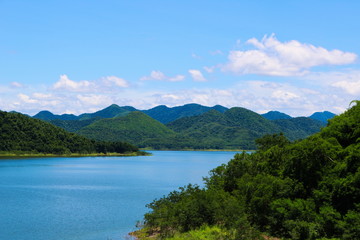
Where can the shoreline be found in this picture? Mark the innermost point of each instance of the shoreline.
(199, 150)
(36, 155)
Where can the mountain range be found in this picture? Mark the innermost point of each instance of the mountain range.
(190, 126)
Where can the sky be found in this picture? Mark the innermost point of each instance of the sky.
(292, 56)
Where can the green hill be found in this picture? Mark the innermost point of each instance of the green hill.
(299, 128)
(136, 127)
(165, 114)
(73, 125)
(275, 115)
(195, 127)
(323, 116)
(23, 134)
(309, 189)
(238, 128)
(47, 116)
(109, 112)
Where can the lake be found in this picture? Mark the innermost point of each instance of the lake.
(91, 198)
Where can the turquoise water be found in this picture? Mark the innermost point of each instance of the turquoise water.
(91, 198)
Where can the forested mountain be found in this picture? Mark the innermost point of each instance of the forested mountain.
(240, 127)
(298, 128)
(323, 116)
(275, 115)
(165, 114)
(236, 128)
(47, 116)
(109, 112)
(309, 189)
(136, 127)
(195, 127)
(74, 125)
(23, 134)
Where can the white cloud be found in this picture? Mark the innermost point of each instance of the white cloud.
(197, 75)
(348, 81)
(65, 83)
(110, 80)
(352, 88)
(104, 84)
(16, 85)
(94, 100)
(26, 99)
(209, 69)
(275, 58)
(160, 76)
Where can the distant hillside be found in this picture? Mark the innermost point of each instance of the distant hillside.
(323, 116)
(299, 128)
(73, 125)
(239, 127)
(20, 133)
(47, 116)
(165, 114)
(236, 128)
(109, 112)
(136, 127)
(195, 126)
(275, 115)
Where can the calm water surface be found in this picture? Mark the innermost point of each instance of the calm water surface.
(91, 198)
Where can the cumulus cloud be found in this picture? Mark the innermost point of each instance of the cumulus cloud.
(16, 85)
(65, 83)
(113, 80)
(197, 75)
(347, 81)
(95, 99)
(160, 76)
(26, 99)
(275, 58)
(109, 83)
(352, 87)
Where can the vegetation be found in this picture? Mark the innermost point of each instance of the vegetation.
(135, 127)
(322, 116)
(195, 127)
(309, 189)
(165, 115)
(20, 134)
(275, 115)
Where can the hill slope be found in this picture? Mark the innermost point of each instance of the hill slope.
(47, 116)
(309, 189)
(135, 127)
(322, 116)
(299, 128)
(109, 112)
(165, 114)
(238, 128)
(20, 133)
(275, 115)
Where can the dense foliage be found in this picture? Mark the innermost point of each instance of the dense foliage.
(304, 190)
(195, 127)
(275, 115)
(322, 116)
(135, 127)
(22, 134)
(165, 114)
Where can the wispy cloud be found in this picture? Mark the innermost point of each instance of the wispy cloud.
(16, 85)
(109, 83)
(197, 75)
(348, 81)
(275, 58)
(160, 76)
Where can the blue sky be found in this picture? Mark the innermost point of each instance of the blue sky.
(79, 56)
